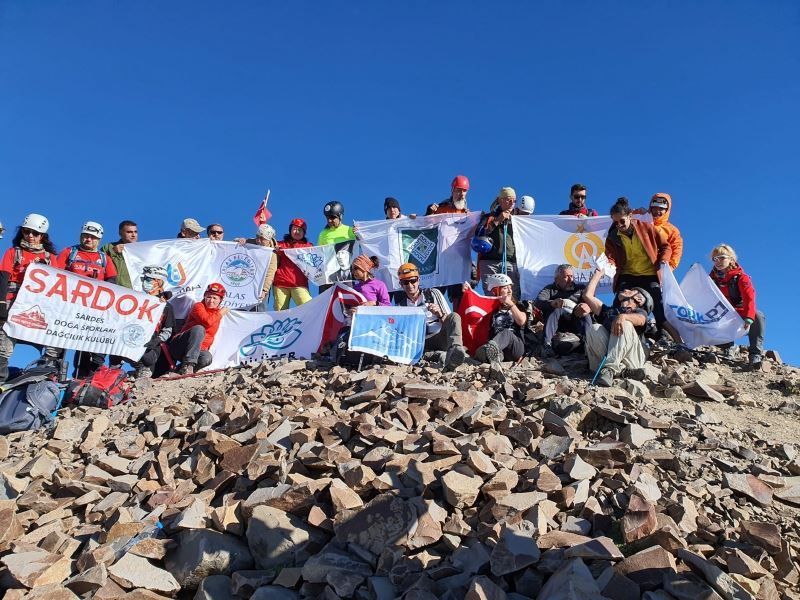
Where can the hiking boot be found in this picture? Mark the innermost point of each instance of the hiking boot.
(755, 361)
(731, 352)
(605, 378)
(637, 374)
(186, 369)
(455, 356)
(547, 351)
(143, 373)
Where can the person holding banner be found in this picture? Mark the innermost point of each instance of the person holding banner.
(638, 249)
(505, 333)
(737, 287)
(265, 236)
(660, 208)
(128, 234)
(494, 241)
(577, 203)
(442, 327)
(153, 278)
(30, 245)
(290, 282)
(616, 346)
(86, 259)
(190, 346)
(190, 230)
(334, 231)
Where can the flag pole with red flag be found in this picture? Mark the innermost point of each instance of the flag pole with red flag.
(262, 214)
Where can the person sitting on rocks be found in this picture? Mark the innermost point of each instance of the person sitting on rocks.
(191, 345)
(737, 287)
(558, 301)
(153, 278)
(442, 327)
(616, 344)
(505, 334)
(374, 290)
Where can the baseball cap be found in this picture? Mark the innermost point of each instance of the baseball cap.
(192, 225)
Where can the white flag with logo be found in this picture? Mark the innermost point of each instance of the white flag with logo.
(544, 242)
(250, 337)
(698, 309)
(438, 244)
(193, 264)
(60, 309)
(323, 264)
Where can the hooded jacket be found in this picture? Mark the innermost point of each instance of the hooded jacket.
(737, 287)
(654, 242)
(671, 232)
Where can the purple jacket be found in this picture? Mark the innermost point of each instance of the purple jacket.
(374, 289)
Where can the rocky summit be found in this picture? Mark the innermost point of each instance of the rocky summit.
(304, 480)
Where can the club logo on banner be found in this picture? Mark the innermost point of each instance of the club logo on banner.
(396, 332)
(278, 335)
(581, 248)
(439, 245)
(60, 309)
(237, 270)
(418, 246)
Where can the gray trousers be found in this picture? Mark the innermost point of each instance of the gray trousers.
(185, 347)
(449, 335)
(755, 334)
(571, 324)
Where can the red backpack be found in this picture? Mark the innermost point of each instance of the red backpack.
(104, 388)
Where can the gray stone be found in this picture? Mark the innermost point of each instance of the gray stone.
(318, 567)
(200, 553)
(723, 583)
(515, 550)
(381, 522)
(274, 592)
(214, 587)
(572, 581)
(275, 537)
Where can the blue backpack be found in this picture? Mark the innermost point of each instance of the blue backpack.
(27, 402)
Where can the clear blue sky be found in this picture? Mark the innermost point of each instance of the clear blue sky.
(160, 110)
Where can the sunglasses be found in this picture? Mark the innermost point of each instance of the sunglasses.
(216, 232)
(33, 232)
(636, 297)
(721, 257)
(579, 196)
(409, 281)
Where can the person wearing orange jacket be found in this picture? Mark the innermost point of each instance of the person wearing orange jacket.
(190, 346)
(638, 249)
(660, 209)
(737, 287)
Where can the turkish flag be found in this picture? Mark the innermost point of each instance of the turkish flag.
(343, 298)
(262, 214)
(476, 318)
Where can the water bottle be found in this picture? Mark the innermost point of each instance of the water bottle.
(120, 546)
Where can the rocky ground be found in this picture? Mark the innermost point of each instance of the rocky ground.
(304, 480)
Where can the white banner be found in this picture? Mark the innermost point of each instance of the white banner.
(247, 337)
(193, 264)
(324, 264)
(60, 309)
(396, 332)
(698, 310)
(545, 241)
(438, 244)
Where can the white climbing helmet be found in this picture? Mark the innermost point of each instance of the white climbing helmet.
(36, 222)
(526, 205)
(497, 280)
(92, 228)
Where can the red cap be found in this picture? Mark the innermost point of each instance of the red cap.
(461, 182)
(298, 223)
(216, 289)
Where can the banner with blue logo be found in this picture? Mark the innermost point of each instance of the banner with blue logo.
(395, 332)
(698, 310)
(192, 264)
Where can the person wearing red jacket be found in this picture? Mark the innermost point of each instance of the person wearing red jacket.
(737, 287)
(31, 244)
(86, 259)
(190, 346)
(290, 282)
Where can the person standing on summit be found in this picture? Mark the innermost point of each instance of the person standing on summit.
(334, 231)
(660, 208)
(577, 203)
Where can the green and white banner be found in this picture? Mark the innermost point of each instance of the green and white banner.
(438, 244)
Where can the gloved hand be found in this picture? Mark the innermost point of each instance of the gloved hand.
(3, 312)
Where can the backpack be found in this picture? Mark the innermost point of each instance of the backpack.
(73, 258)
(29, 401)
(344, 357)
(104, 388)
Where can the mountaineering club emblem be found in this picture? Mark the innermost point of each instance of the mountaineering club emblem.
(418, 246)
(238, 270)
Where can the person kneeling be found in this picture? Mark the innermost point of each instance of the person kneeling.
(191, 345)
(616, 344)
(505, 335)
(442, 327)
(153, 278)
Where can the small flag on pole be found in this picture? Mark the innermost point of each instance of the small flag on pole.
(262, 214)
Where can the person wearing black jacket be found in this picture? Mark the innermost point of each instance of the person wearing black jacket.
(153, 277)
(558, 301)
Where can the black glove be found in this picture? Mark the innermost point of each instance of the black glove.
(3, 312)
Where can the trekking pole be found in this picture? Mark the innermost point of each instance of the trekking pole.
(596, 373)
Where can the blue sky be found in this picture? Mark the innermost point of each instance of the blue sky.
(156, 111)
